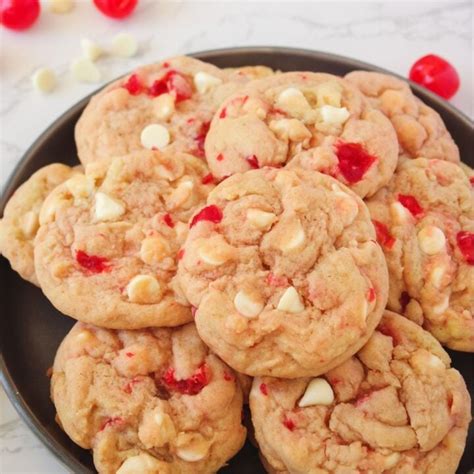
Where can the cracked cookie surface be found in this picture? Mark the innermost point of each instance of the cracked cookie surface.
(148, 401)
(285, 273)
(107, 249)
(20, 220)
(420, 130)
(425, 223)
(394, 407)
(318, 121)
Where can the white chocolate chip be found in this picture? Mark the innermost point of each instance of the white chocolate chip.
(205, 82)
(167, 430)
(293, 238)
(260, 219)
(164, 106)
(54, 202)
(215, 251)
(181, 194)
(318, 392)
(60, 6)
(293, 102)
(155, 136)
(107, 208)
(290, 301)
(391, 460)
(44, 80)
(329, 93)
(441, 307)
(91, 50)
(83, 336)
(154, 249)
(192, 447)
(435, 362)
(29, 224)
(84, 70)
(346, 205)
(125, 45)
(292, 129)
(436, 275)
(333, 115)
(431, 240)
(144, 289)
(400, 214)
(142, 463)
(246, 306)
(79, 186)
(181, 230)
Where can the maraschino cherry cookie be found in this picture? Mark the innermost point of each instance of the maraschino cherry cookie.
(107, 249)
(164, 105)
(420, 129)
(20, 220)
(283, 268)
(147, 401)
(425, 224)
(286, 116)
(394, 407)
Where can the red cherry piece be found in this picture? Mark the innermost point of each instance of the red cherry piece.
(264, 388)
(404, 300)
(436, 74)
(390, 332)
(354, 161)
(19, 14)
(168, 220)
(252, 161)
(210, 213)
(466, 245)
(128, 388)
(223, 113)
(190, 386)
(288, 423)
(208, 179)
(180, 254)
(174, 83)
(383, 235)
(91, 262)
(411, 204)
(200, 138)
(133, 85)
(228, 377)
(471, 180)
(111, 422)
(275, 280)
(129, 354)
(371, 295)
(116, 8)
(220, 157)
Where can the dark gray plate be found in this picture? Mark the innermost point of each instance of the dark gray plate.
(31, 329)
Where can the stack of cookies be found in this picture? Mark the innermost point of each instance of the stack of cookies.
(247, 236)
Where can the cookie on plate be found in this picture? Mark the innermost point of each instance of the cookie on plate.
(107, 249)
(147, 401)
(425, 224)
(283, 268)
(420, 129)
(165, 105)
(396, 406)
(319, 120)
(20, 220)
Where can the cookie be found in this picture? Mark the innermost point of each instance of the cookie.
(314, 120)
(20, 223)
(176, 98)
(147, 401)
(425, 223)
(283, 268)
(421, 131)
(395, 407)
(107, 249)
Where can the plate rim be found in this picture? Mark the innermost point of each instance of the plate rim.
(63, 455)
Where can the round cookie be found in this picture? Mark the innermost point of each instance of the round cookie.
(179, 96)
(20, 223)
(395, 407)
(107, 249)
(314, 120)
(425, 223)
(147, 401)
(420, 129)
(283, 268)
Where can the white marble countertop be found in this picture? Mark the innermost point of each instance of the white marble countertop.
(389, 34)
